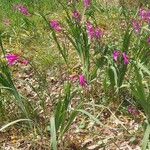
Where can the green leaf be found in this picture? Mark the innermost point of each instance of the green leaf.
(58, 115)
(53, 133)
(145, 69)
(126, 40)
(12, 123)
(69, 122)
(146, 138)
(115, 75)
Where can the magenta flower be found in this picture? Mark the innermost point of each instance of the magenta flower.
(98, 33)
(125, 58)
(137, 26)
(94, 33)
(77, 16)
(87, 3)
(145, 15)
(12, 59)
(22, 9)
(82, 81)
(56, 26)
(90, 30)
(116, 55)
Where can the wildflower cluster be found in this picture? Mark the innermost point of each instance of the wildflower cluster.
(94, 33)
(102, 72)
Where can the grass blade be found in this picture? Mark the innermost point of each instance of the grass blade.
(53, 134)
(146, 138)
(12, 123)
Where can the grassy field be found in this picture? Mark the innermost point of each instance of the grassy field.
(74, 75)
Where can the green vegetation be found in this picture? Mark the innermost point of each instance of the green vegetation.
(74, 74)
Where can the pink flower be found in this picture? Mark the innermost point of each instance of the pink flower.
(98, 33)
(55, 25)
(77, 16)
(94, 33)
(125, 58)
(137, 26)
(90, 30)
(24, 10)
(87, 3)
(82, 81)
(116, 55)
(12, 59)
(145, 15)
